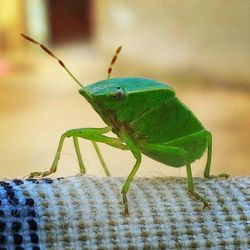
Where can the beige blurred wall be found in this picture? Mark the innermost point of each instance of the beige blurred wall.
(207, 35)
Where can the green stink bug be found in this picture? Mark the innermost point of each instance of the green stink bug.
(147, 118)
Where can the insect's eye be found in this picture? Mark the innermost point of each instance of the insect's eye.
(119, 93)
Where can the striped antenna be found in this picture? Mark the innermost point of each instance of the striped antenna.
(113, 61)
(51, 54)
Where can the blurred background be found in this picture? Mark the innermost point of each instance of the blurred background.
(201, 48)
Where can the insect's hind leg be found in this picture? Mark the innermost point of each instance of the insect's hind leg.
(209, 157)
(209, 154)
(175, 156)
(191, 187)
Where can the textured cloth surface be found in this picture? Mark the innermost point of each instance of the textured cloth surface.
(87, 213)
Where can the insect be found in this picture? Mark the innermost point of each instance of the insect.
(147, 118)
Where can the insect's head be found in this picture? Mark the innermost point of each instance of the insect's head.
(118, 95)
(105, 97)
(110, 92)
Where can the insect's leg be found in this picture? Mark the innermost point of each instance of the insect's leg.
(93, 134)
(57, 157)
(96, 135)
(174, 156)
(137, 154)
(104, 165)
(191, 187)
(80, 161)
(209, 155)
(79, 156)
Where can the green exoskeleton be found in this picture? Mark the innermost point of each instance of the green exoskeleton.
(147, 118)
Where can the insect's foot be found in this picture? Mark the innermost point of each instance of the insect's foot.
(80, 174)
(125, 203)
(46, 173)
(206, 204)
(226, 176)
(40, 174)
(83, 172)
(35, 174)
(126, 212)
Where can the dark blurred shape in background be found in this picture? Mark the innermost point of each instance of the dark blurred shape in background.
(77, 19)
(202, 48)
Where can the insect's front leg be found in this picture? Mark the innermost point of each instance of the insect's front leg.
(57, 157)
(93, 134)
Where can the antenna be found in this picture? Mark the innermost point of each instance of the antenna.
(113, 61)
(51, 54)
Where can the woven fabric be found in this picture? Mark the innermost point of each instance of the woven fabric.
(87, 213)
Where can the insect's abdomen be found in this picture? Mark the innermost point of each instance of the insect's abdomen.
(168, 121)
(170, 124)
